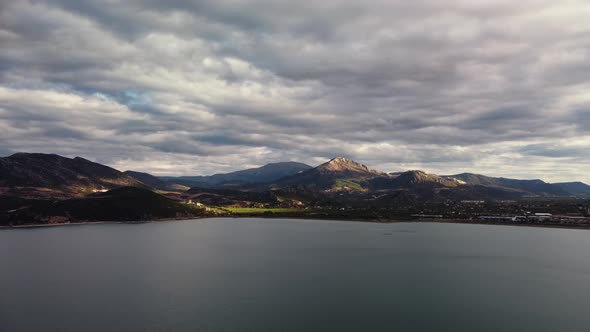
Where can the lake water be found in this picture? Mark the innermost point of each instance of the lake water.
(294, 275)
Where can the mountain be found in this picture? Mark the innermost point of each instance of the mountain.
(574, 188)
(338, 174)
(51, 175)
(56, 173)
(263, 174)
(120, 204)
(344, 174)
(155, 182)
(530, 187)
(337, 181)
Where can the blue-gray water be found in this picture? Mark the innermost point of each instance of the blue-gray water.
(294, 275)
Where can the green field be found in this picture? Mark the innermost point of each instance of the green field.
(351, 183)
(240, 210)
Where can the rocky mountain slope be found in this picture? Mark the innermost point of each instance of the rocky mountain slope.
(54, 176)
(56, 173)
(335, 175)
(155, 182)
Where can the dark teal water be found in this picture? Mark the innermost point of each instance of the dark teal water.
(294, 275)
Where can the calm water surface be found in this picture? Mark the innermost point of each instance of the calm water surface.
(294, 275)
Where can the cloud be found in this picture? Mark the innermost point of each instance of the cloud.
(198, 87)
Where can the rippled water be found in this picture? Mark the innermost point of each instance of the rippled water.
(294, 275)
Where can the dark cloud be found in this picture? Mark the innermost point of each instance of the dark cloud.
(556, 151)
(196, 87)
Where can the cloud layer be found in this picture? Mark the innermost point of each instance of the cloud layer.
(181, 87)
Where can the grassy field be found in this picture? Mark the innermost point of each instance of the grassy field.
(351, 183)
(240, 210)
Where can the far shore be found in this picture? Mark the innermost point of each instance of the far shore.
(380, 221)
(471, 222)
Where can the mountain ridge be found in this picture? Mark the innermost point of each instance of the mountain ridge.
(51, 174)
(576, 188)
(266, 173)
(530, 186)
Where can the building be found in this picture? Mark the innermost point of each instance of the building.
(429, 216)
(501, 218)
(541, 216)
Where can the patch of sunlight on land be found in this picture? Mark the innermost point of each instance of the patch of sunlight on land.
(263, 210)
(350, 183)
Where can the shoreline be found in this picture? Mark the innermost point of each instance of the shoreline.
(379, 221)
(82, 223)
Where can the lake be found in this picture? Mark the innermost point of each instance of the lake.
(254, 274)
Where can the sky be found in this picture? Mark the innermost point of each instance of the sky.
(176, 87)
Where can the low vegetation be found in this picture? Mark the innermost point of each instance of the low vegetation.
(348, 183)
(121, 204)
(248, 210)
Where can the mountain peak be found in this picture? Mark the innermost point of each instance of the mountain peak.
(339, 159)
(341, 164)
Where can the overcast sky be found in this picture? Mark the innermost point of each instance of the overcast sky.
(499, 87)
